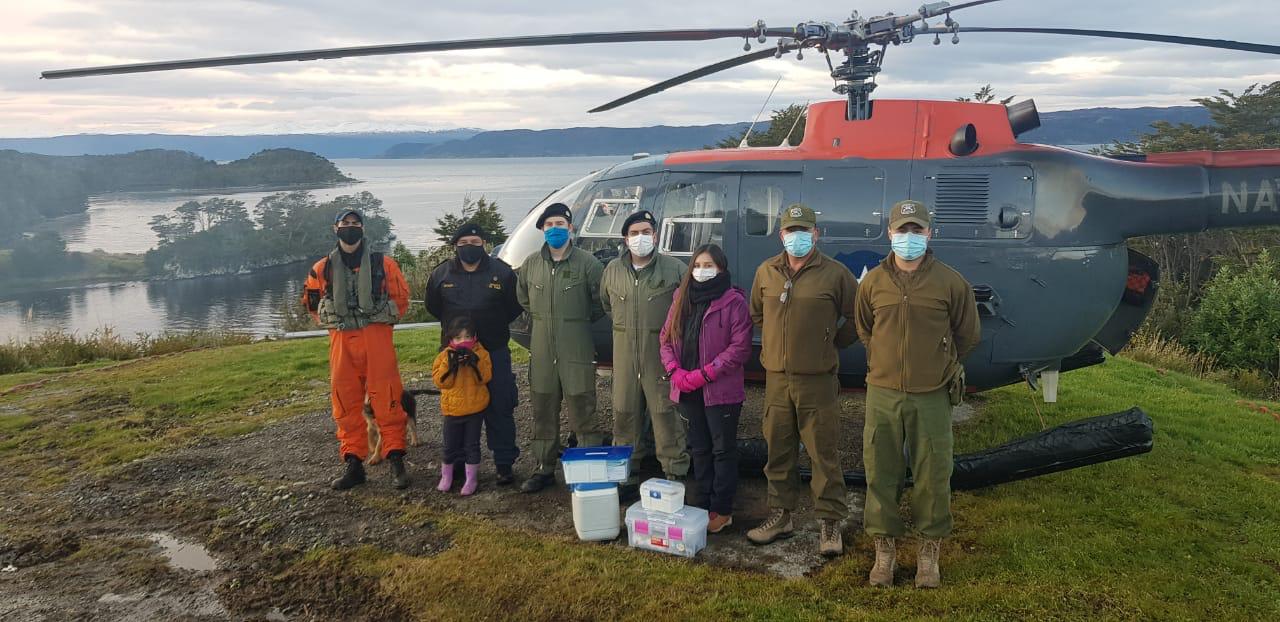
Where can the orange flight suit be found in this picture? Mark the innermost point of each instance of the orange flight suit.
(362, 362)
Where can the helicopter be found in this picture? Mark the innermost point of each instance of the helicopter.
(1039, 231)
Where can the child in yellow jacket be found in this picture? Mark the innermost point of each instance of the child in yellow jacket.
(462, 372)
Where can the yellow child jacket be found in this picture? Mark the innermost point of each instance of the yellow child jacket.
(462, 393)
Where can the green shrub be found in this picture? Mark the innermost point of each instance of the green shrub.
(62, 349)
(1153, 348)
(1238, 320)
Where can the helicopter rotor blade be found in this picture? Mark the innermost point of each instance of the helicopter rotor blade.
(1117, 34)
(704, 34)
(701, 72)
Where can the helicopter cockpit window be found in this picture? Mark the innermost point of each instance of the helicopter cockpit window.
(603, 210)
(605, 217)
(693, 215)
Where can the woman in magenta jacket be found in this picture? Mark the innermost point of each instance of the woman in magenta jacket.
(706, 340)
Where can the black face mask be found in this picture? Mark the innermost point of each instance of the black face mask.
(470, 253)
(350, 235)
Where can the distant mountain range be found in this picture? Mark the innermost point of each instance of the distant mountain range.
(226, 148)
(1089, 126)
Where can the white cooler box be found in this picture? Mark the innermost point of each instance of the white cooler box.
(682, 533)
(661, 495)
(595, 511)
(587, 465)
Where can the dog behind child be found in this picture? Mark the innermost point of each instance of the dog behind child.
(410, 405)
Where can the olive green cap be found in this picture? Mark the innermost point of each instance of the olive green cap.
(798, 215)
(907, 211)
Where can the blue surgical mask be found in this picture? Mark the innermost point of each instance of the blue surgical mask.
(798, 243)
(910, 246)
(556, 237)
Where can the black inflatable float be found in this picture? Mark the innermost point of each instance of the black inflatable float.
(1068, 446)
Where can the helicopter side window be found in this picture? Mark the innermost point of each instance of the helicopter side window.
(693, 215)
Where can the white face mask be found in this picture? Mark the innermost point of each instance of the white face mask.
(702, 275)
(640, 245)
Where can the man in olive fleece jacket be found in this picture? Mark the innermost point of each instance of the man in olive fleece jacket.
(803, 302)
(918, 319)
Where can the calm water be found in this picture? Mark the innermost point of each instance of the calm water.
(414, 193)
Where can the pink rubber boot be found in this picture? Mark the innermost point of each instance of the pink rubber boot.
(446, 477)
(473, 479)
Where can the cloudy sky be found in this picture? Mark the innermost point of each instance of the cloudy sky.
(553, 87)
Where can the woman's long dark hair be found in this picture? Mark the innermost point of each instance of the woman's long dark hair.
(685, 306)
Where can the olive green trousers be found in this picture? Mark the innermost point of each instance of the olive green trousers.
(920, 423)
(545, 444)
(804, 408)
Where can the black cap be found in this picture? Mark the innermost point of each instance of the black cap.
(555, 209)
(643, 215)
(469, 228)
(344, 212)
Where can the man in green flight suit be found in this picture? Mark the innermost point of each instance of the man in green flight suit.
(560, 288)
(636, 290)
(919, 320)
(803, 302)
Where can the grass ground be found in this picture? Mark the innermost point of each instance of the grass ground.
(1189, 531)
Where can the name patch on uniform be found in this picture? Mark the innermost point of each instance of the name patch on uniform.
(446, 284)
(497, 286)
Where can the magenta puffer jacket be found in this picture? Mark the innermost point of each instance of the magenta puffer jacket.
(724, 344)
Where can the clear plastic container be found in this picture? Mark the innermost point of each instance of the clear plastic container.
(682, 533)
(588, 465)
(662, 495)
(595, 511)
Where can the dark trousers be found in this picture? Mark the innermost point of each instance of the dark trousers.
(462, 438)
(499, 418)
(713, 449)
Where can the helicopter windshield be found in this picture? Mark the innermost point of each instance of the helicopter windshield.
(527, 239)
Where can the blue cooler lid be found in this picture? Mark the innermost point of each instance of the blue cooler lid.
(620, 452)
(593, 486)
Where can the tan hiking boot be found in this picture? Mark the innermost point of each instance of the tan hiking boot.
(928, 574)
(830, 540)
(886, 562)
(778, 525)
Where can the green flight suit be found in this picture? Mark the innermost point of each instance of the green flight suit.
(638, 301)
(563, 299)
(918, 326)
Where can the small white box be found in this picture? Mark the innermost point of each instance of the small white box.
(682, 533)
(662, 495)
(595, 511)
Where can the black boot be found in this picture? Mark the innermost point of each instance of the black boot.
(537, 482)
(399, 478)
(505, 475)
(354, 476)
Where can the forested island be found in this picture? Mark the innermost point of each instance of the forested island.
(215, 237)
(37, 187)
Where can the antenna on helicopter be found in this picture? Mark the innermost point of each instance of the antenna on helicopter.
(786, 140)
(743, 144)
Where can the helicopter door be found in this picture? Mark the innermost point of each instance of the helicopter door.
(761, 198)
(694, 210)
(848, 200)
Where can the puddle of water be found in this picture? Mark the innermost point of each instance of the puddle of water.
(184, 555)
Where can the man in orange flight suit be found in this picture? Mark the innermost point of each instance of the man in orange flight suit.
(359, 306)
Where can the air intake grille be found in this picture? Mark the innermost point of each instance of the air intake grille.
(962, 198)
